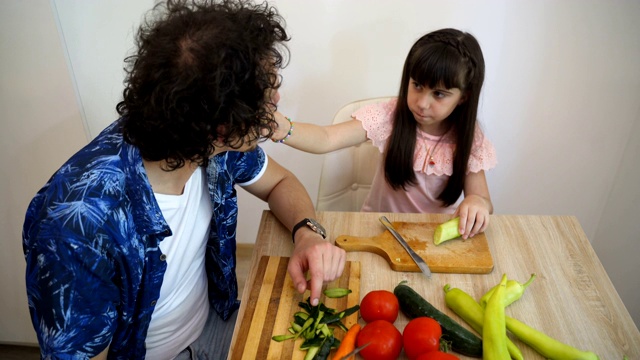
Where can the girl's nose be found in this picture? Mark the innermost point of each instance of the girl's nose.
(424, 102)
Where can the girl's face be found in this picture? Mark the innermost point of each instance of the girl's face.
(431, 106)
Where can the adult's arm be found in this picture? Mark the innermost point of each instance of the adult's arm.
(290, 203)
(102, 355)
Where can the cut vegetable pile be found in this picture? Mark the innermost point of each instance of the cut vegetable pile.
(315, 324)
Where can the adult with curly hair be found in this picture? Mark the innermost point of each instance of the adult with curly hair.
(130, 246)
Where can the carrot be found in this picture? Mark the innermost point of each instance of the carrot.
(348, 343)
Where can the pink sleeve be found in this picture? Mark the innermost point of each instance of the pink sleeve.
(377, 120)
(483, 154)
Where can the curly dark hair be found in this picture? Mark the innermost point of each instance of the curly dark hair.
(201, 74)
(454, 59)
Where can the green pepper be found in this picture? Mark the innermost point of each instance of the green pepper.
(494, 333)
(545, 345)
(470, 311)
(514, 291)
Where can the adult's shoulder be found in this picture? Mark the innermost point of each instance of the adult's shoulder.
(242, 166)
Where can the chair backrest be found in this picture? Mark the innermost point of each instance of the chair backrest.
(346, 175)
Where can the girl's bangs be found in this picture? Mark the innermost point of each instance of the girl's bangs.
(437, 66)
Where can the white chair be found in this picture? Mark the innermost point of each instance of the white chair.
(346, 174)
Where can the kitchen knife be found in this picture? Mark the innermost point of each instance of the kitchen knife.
(354, 352)
(421, 263)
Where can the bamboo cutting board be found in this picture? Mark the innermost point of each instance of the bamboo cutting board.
(470, 256)
(271, 304)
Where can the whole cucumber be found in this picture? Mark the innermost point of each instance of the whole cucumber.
(462, 340)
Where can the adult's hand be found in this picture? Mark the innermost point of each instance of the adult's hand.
(322, 260)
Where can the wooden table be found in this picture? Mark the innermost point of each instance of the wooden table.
(572, 299)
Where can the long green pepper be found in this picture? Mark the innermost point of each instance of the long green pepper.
(470, 311)
(545, 345)
(494, 332)
(514, 291)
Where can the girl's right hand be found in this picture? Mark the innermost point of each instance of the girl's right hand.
(474, 215)
(476, 207)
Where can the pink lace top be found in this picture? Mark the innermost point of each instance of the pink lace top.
(433, 164)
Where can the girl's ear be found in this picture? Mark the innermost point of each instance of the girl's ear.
(463, 98)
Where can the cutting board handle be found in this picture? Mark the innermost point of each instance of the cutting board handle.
(356, 243)
(395, 255)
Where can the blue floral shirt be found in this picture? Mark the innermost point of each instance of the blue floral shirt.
(91, 236)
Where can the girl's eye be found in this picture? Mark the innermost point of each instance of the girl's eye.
(416, 85)
(439, 94)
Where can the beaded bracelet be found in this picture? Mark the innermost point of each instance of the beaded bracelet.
(281, 141)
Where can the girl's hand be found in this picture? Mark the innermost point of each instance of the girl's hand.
(474, 215)
(282, 128)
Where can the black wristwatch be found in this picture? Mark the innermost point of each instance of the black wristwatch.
(311, 224)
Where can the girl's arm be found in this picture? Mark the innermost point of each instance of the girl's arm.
(476, 207)
(319, 139)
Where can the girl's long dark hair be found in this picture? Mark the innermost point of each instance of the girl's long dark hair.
(449, 58)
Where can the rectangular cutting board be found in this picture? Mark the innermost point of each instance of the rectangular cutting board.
(470, 256)
(271, 304)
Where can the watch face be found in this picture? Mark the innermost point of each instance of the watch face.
(315, 226)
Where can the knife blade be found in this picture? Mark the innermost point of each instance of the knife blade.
(419, 261)
(354, 352)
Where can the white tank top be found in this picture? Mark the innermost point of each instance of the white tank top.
(183, 306)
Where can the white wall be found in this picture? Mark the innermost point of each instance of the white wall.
(41, 128)
(560, 101)
(617, 236)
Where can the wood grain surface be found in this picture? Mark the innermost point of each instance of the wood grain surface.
(572, 299)
(470, 256)
(271, 304)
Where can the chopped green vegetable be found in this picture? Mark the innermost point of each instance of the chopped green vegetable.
(315, 325)
(446, 231)
(280, 338)
(336, 292)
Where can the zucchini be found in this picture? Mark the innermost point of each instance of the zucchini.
(330, 319)
(446, 231)
(462, 340)
(325, 349)
(336, 292)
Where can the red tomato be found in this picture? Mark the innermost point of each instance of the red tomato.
(379, 305)
(420, 336)
(385, 341)
(437, 355)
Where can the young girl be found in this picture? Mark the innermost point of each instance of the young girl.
(432, 147)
